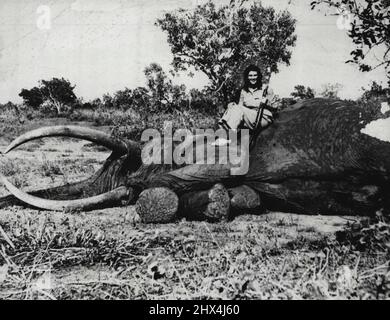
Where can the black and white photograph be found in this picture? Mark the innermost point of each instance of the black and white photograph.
(198, 150)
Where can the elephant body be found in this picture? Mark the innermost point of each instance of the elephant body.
(321, 156)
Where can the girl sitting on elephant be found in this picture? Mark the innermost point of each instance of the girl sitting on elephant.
(243, 113)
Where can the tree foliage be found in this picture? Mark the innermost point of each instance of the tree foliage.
(33, 97)
(158, 83)
(376, 90)
(369, 29)
(165, 94)
(301, 92)
(218, 40)
(123, 98)
(56, 93)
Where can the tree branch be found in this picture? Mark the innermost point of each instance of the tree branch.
(202, 66)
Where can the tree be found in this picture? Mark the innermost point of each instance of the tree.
(55, 92)
(331, 90)
(158, 83)
(140, 98)
(32, 98)
(177, 96)
(302, 93)
(369, 29)
(217, 41)
(123, 98)
(164, 93)
(58, 92)
(108, 101)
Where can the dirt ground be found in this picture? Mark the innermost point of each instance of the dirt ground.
(109, 254)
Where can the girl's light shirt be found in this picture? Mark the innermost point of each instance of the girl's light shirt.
(253, 98)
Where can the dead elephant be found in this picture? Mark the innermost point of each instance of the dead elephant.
(321, 156)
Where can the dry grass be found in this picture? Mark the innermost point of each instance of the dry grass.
(103, 255)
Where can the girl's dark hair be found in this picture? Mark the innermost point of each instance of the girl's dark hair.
(258, 84)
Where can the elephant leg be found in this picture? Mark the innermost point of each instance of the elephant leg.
(157, 205)
(211, 205)
(244, 199)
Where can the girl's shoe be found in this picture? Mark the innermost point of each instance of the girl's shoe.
(220, 142)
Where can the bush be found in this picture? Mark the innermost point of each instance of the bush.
(286, 102)
(50, 168)
(372, 234)
(130, 112)
(372, 107)
(11, 119)
(131, 124)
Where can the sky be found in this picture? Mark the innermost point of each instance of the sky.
(103, 46)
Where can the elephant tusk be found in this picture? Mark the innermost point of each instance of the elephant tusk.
(85, 133)
(99, 201)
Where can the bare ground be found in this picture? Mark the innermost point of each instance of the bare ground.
(109, 254)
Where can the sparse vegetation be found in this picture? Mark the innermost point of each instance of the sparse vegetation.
(331, 90)
(59, 256)
(375, 91)
(301, 92)
(50, 168)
